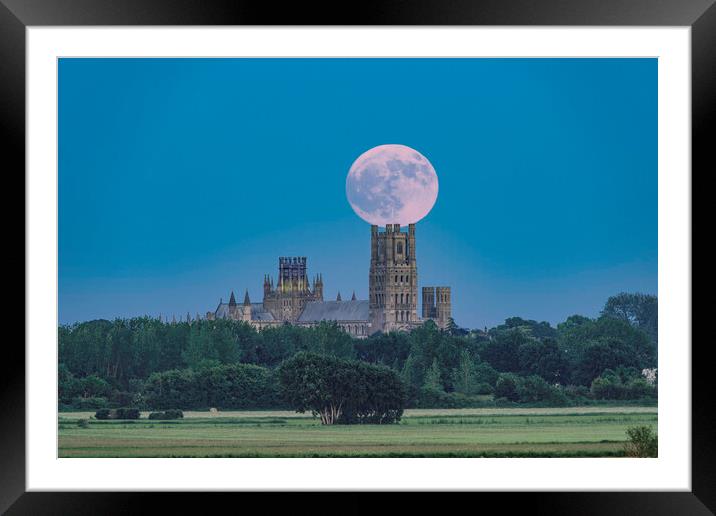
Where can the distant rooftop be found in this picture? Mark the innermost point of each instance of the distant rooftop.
(335, 311)
(257, 312)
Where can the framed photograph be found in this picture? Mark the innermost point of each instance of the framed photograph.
(415, 248)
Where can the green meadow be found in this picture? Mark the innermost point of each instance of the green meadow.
(495, 432)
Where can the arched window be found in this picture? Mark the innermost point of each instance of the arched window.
(400, 248)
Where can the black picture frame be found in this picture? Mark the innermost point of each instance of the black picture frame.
(700, 15)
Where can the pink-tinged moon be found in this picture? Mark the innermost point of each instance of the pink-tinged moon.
(392, 184)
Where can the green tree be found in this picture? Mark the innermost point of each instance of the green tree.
(642, 441)
(68, 386)
(341, 391)
(607, 387)
(93, 387)
(573, 321)
(532, 389)
(175, 389)
(429, 345)
(605, 343)
(453, 329)
(378, 396)
(603, 354)
(238, 386)
(621, 383)
(465, 375)
(538, 330)
(502, 350)
(329, 339)
(486, 374)
(384, 348)
(506, 387)
(433, 379)
(146, 347)
(200, 345)
(277, 344)
(543, 358)
(321, 384)
(408, 373)
(639, 310)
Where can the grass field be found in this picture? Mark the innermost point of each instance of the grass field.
(508, 432)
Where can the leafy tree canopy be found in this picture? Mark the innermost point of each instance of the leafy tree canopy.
(342, 391)
(640, 310)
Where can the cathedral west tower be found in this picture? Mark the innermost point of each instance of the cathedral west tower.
(393, 278)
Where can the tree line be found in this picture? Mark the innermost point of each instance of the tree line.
(227, 364)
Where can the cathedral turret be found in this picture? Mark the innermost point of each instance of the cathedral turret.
(267, 285)
(318, 288)
(338, 297)
(232, 306)
(246, 308)
(411, 244)
(428, 302)
(443, 306)
(353, 297)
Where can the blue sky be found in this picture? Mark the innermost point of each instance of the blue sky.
(182, 179)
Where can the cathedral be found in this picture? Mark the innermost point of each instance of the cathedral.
(392, 303)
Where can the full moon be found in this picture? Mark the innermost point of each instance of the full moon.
(392, 184)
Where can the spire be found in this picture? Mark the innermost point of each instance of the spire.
(338, 297)
(353, 297)
(232, 299)
(247, 301)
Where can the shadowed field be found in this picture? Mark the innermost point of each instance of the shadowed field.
(543, 432)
